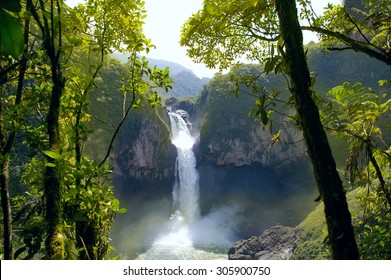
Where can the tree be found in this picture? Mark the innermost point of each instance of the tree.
(222, 32)
(14, 41)
(352, 112)
(365, 28)
(101, 28)
(49, 18)
(339, 225)
(68, 50)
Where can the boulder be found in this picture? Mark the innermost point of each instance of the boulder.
(276, 243)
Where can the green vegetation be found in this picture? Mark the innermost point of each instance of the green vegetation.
(269, 32)
(64, 205)
(63, 98)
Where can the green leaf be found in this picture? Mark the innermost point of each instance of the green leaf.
(80, 217)
(73, 191)
(115, 203)
(264, 116)
(106, 166)
(52, 154)
(122, 210)
(11, 34)
(276, 137)
(383, 83)
(49, 164)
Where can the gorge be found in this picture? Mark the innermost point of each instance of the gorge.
(246, 183)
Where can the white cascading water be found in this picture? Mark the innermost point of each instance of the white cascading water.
(177, 242)
(185, 190)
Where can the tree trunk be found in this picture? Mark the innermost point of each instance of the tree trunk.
(338, 218)
(7, 145)
(52, 185)
(6, 208)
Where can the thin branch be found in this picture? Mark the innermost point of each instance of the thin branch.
(118, 129)
(379, 175)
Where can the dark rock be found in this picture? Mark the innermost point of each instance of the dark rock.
(276, 243)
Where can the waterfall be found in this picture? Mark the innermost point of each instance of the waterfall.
(176, 242)
(185, 190)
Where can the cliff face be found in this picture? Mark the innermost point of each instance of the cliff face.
(142, 151)
(145, 157)
(145, 152)
(229, 136)
(254, 148)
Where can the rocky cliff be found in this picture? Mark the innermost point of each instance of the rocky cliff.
(276, 243)
(229, 136)
(146, 152)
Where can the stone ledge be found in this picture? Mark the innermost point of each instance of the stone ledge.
(276, 243)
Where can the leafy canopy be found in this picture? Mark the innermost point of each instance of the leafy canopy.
(365, 29)
(225, 31)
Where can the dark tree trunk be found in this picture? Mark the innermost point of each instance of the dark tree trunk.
(338, 218)
(6, 147)
(52, 42)
(379, 174)
(6, 208)
(86, 239)
(52, 184)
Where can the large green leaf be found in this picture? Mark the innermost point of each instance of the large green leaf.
(11, 34)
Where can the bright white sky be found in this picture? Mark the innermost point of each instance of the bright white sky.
(163, 26)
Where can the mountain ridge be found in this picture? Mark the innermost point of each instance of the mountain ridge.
(185, 82)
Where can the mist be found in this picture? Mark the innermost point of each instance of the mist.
(235, 203)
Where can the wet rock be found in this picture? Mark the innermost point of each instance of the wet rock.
(185, 116)
(276, 243)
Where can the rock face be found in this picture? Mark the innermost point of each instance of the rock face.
(142, 157)
(255, 148)
(229, 136)
(276, 243)
(146, 153)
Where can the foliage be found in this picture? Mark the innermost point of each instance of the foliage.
(365, 29)
(223, 32)
(67, 52)
(11, 33)
(373, 229)
(312, 237)
(353, 113)
(354, 110)
(371, 220)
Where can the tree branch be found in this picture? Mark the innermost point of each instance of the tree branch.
(357, 46)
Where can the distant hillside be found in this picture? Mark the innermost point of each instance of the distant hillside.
(185, 84)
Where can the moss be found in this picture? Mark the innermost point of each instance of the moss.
(58, 245)
(313, 233)
(312, 244)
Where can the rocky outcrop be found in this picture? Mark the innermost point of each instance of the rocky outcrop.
(276, 243)
(256, 148)
(230, 137)
(146, 152)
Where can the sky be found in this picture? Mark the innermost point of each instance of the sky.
(163, 25)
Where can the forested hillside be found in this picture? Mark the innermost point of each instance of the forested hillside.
(233, 144)
(300, 137)
(185, 82)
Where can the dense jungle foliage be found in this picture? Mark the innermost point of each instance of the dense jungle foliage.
(57, 201)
